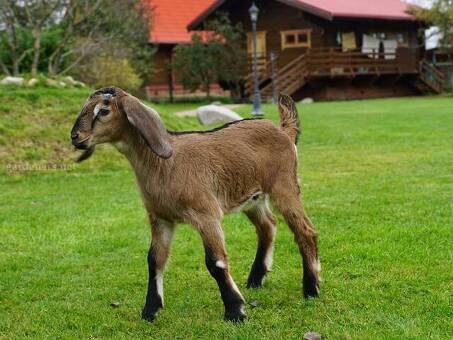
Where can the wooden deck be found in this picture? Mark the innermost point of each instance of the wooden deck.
(334, 63)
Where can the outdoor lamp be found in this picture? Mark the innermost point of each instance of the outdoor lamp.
(253, 10)
(256, 95)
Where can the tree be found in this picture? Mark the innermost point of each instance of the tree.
(25, 17)
(228, 48)
(111, 28)
(441, 16)
(74, 32)
(219, 57)
(12, 36)
(195, 65)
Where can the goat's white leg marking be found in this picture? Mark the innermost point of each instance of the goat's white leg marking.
(166, 236)
(234, 286)
(167, 231)
(162, 234)
(220, 264)
(268, 260)
(264, 212)
(160, 285)
(264, 222)
(217, 263)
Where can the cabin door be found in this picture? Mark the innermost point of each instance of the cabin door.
(260, 48)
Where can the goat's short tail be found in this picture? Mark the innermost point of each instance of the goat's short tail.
(289, 118)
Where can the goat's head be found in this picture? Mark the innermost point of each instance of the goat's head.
(108, 114)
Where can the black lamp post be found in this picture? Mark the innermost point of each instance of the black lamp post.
(257, 96)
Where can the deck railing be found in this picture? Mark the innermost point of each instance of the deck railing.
(431, 76)
(264, 72)
(334, 62)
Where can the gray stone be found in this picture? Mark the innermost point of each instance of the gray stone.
(32, 82)
(18, 81)
(79, 84)
(52, 83)
(307, 101)
(69, 81)
(312, 336)
(213, 114)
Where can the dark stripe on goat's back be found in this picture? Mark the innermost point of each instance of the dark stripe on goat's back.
(176, 133)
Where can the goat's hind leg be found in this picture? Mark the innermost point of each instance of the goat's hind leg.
(286, 200)
(162, 234)
(264, 222)
(217, 263)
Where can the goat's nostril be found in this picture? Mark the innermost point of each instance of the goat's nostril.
(74, 135)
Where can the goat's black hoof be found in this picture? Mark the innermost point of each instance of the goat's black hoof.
(257, 276)
(148, 315)
(235, 316)
(255, 282)
(311, 288)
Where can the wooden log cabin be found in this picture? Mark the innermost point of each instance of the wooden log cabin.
(169, 28)
(333, 49)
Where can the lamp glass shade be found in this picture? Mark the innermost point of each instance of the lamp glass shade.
(254, 13)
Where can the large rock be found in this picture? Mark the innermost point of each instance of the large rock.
(52, 83)
(69, 81)
(18, 81)
(307, 100)
(32, 82)
(214, 114)
(79, 84)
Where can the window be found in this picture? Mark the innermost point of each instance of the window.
(260, 43)
(296, 38)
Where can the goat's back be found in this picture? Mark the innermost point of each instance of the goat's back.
(234, 161)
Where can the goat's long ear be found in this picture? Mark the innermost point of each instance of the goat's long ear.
(148, 123)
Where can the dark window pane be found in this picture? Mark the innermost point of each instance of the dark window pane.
(302, 37)
(290, 39)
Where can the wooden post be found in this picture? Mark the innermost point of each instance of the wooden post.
(274, 79)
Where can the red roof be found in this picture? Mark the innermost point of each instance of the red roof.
(171, 17)
(332, 9)
(376, 9)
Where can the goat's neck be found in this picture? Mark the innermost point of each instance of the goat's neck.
(144, 161)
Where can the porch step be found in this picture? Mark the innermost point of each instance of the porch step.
(430, 78)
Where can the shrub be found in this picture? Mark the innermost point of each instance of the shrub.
(106, 71)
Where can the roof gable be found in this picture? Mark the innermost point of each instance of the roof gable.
(335, 9)
(171, 17)
(331, 9)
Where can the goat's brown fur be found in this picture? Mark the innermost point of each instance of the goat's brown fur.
(198, 177)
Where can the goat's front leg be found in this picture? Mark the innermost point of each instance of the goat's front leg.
(217, 264)
(162, 234)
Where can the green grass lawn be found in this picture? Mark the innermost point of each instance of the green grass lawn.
(377, 182)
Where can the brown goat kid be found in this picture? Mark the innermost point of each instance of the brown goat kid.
(196, 177)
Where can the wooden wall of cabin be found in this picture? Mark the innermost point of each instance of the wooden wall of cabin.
(275, 17)
(160, 74)
(360, 27)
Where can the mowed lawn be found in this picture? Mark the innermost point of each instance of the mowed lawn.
(377, 183)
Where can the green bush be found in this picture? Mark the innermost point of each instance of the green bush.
(106, 71)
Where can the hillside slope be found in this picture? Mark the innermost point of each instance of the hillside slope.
(35, 125)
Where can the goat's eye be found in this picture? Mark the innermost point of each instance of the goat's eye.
(103, 112)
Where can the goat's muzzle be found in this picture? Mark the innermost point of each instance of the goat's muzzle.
(80, 144)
